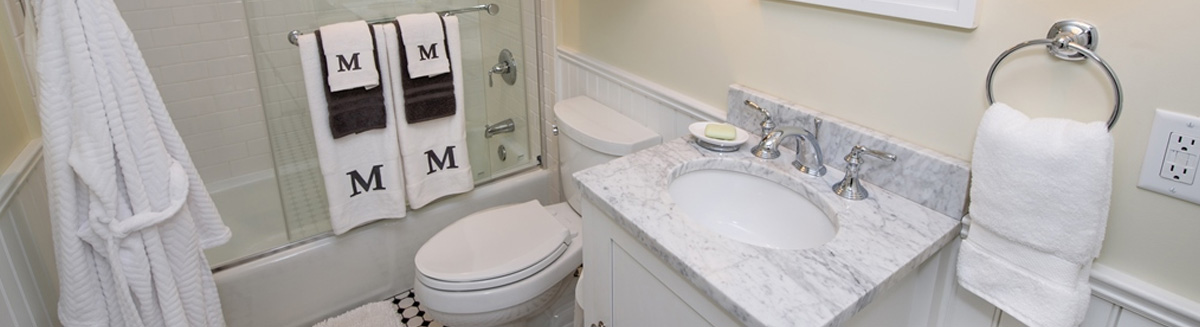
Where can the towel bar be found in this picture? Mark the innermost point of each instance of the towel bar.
(1068, 40)
(491, 8)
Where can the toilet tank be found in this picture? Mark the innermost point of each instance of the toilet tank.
(594, 134)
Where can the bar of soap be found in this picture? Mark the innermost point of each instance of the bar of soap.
(720, 131)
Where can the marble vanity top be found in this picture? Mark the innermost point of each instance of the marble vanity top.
(879, 240)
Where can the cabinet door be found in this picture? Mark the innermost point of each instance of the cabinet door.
(627, 286)
(640, 299)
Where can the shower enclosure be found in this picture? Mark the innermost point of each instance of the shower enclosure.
(285, 202)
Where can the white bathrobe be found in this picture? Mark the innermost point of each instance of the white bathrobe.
(130, 212)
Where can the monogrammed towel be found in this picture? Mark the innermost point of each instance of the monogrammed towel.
(424, 44)
(426, 98)
(434, 152)
(363, 177)
(356, 109)
(348, 49)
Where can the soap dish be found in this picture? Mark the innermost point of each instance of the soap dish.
(712, 144)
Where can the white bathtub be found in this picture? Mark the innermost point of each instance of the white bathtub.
(250, 207)
(303, 285)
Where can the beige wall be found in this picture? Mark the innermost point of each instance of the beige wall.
(16, 101)
(924, 83)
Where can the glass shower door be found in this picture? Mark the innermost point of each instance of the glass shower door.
(290, 129)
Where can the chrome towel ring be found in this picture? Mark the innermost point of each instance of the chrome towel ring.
(1068, 40)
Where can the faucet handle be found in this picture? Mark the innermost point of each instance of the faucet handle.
(850, 187)
(767, 125)
(855, 155)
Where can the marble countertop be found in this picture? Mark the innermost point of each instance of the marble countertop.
(879, 240)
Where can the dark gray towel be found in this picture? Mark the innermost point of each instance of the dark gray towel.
(355, 110)
(426, 98)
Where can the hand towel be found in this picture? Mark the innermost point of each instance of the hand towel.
(424, 44)
(425, 98)
(1040, 191)
(434, 152)
(353, 110)
(348, 47)
(363, 177)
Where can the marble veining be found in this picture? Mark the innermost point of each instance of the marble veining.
(921, 175)
(879, 240)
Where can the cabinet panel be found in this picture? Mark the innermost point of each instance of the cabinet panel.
(640, 299)
(626, 285)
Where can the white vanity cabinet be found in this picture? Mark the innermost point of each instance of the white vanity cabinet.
(624, 285)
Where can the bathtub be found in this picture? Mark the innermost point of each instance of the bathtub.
(303, 285)
(250, 207)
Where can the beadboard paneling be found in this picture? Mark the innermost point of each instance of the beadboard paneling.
(658, 108)
(28, 287)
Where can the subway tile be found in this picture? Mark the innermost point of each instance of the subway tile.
(193, 14)
(191, 108)
(250, 164)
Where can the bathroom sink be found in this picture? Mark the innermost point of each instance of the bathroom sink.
(752, 209)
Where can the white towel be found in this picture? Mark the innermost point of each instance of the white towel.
(363, 178)
(1040, 191)
(375, 314)
(434, 152)
(349, 55)
(130, 213)
(423, 35)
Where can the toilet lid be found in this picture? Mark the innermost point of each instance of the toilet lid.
(492, 243)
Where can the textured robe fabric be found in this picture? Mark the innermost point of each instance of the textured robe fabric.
(130, 213)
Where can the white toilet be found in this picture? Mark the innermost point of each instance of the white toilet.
(499, 266)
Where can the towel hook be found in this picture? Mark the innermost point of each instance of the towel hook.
(1068, 40)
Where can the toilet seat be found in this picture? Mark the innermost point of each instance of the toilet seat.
(492, 248)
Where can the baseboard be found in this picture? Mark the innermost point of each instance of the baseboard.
(16, 173)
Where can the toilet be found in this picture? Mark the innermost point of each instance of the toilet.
(500, 266)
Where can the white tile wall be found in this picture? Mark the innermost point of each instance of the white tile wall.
(199, 53)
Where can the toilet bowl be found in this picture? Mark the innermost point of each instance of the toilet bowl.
(499, 266)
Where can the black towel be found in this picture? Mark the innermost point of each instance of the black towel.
(426, 98)
(355, 110)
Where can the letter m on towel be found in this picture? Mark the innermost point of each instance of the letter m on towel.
(430, 53)
(356, 180)
(352, 64)
(447, 157)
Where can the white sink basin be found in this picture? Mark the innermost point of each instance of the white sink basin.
(751, 209)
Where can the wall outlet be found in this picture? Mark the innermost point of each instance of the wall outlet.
(1179, 163)
(1173, 156)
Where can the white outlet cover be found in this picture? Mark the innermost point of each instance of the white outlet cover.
(1165, 123)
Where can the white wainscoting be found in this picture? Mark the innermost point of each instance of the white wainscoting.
(661, 109)
(1118, 300)
(28, 283)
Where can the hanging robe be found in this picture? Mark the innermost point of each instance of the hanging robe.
(130, 213)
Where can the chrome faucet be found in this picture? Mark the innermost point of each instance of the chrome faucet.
(767, 125)
(850, 187)
(768, 148)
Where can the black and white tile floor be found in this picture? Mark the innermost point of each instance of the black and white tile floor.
(410, 311)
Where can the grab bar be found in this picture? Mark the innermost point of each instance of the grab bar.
(1068, 40)
(491, 8)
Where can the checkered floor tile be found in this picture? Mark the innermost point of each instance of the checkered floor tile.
(410, 311)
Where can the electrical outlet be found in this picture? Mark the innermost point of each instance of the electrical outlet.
(1173, 156)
